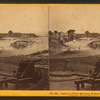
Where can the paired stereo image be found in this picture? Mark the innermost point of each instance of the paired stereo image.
(49, 48)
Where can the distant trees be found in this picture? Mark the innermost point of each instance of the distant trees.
(61, 36)
(87, 33)
(10, 33)
(71, 33)
(55, 33)
(51, 33)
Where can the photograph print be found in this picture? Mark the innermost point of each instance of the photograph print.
(24, 48)
(74, 45)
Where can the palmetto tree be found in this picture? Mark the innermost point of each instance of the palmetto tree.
(10, 33)
(71, 34)
(55, 32)
(87, 33)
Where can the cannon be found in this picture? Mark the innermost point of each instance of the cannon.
(93, 78)
(27, 73)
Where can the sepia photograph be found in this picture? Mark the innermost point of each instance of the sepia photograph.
(24, 48)
(74, 46)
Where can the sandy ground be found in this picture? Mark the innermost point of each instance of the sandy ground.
(82, 47)
(39, 44)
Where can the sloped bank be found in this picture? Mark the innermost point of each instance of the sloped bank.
(94, 45)
(75, 64)
(21, 44)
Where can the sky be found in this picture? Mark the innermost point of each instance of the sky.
(80, 18)
(24, 19)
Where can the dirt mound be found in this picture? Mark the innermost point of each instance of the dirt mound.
(94, 45)
(68, 52)
(21, 44)
(56, 47)
(40, 53)
(55, 44)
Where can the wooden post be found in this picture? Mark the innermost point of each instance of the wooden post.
(78, 86)
(93, 84)
(82, 85)
(17, 84)
(6, 85)
(1, 86)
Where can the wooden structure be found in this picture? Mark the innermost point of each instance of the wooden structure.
(27, 74)
(93, 78)
(81, 82)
